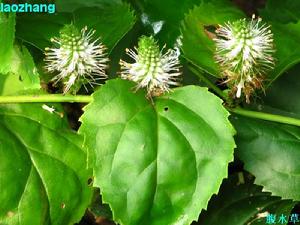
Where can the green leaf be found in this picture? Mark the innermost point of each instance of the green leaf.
(282, 11)
(43, 175)
(72, 5)
(283, 96)
(286, 28)
(241, 203)
(111, 22)
(271, 153)
(286, 40)
(7, 37)
(198, 46)
(37, 29)
(22, 75)
(157, 164)
(162, 18)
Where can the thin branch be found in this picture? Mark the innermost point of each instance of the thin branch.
(45, 98)
(265, 116)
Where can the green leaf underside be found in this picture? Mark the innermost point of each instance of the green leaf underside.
(43, 175)
(154, 165)
(111, 22)
(7, 37)
(271, 153)
(22, 74)
(198, 46)
(243, 203)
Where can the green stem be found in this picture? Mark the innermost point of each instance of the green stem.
(244, 112)
(210, 84)
(265, 116)
(45, 98)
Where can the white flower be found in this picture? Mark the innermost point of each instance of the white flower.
(152, 69)
(76, 57)
(244, 50)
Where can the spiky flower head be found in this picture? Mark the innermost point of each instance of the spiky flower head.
(76, 57)
(244, 51)
(151, 68)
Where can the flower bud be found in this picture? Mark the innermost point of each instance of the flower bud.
(76, 57)
(151, 68)
(244, 51)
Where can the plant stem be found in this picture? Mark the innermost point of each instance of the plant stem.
(210, 84)
(265, 116)
(244, 112)
(45, 98)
